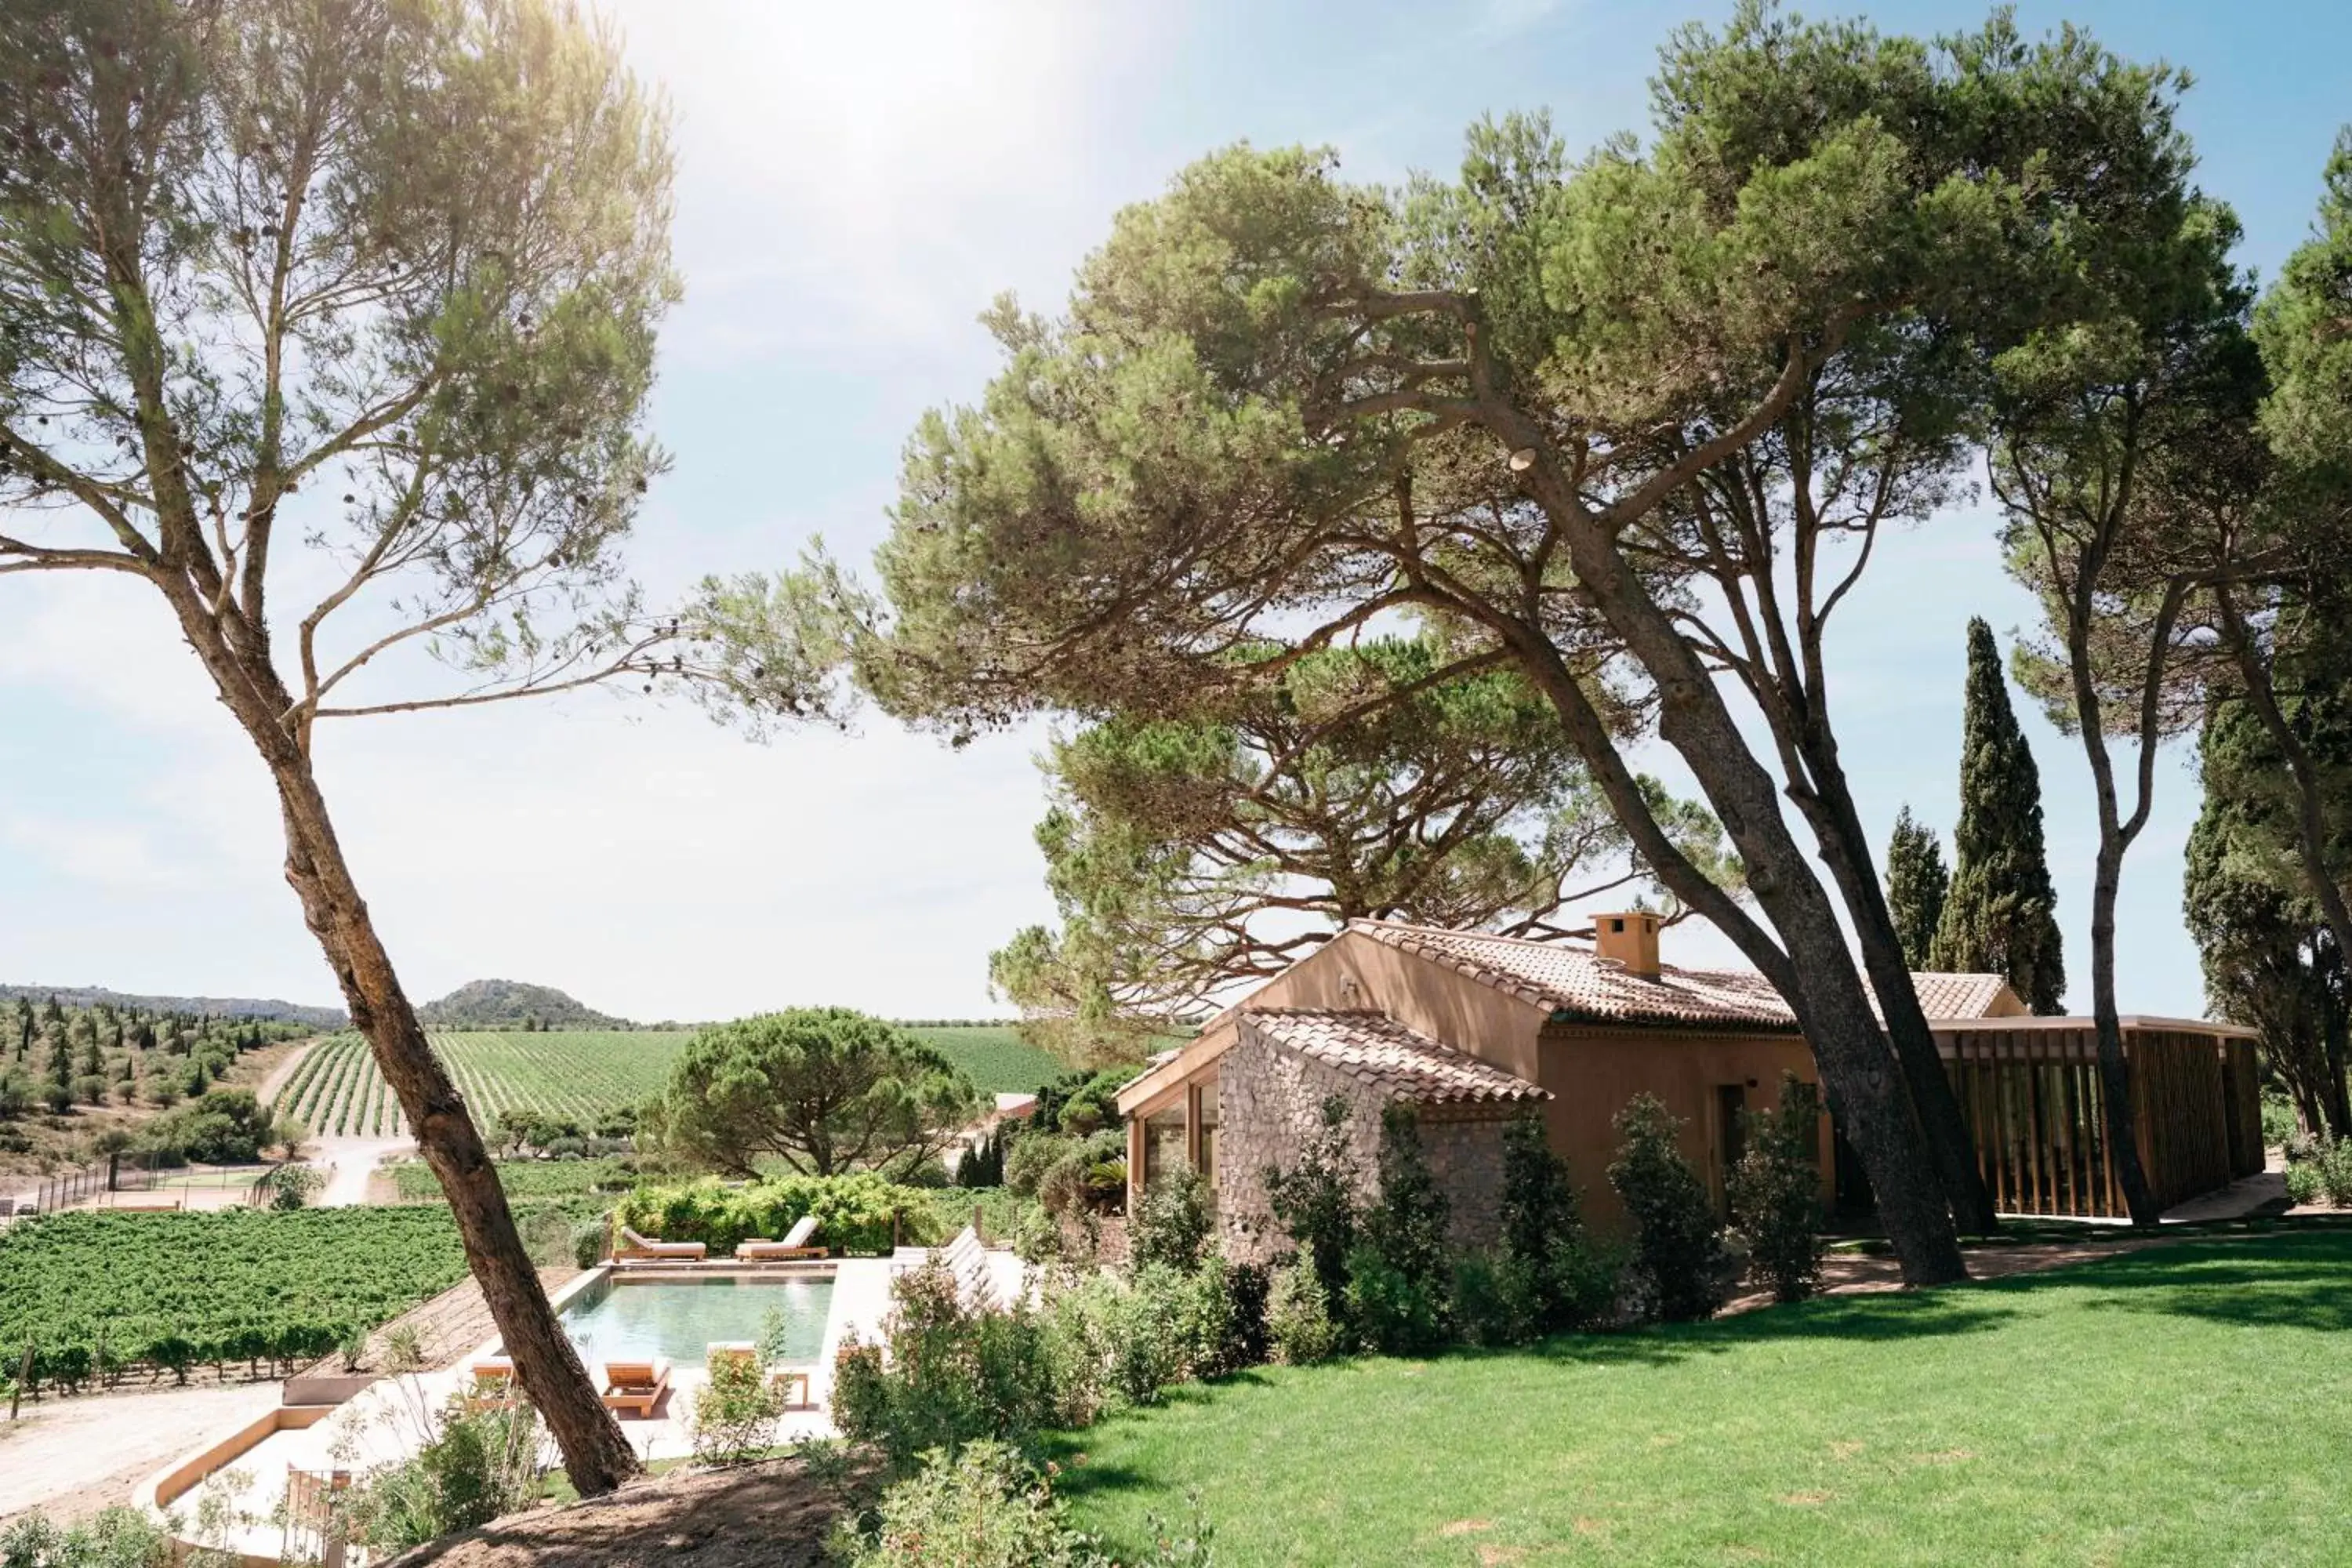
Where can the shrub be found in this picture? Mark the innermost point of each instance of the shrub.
(2279, 1122)
(735, 1411)
(1678, 1253)
(1314, 1201)
(116, 1537)
(1549, 1273)
(292, 1187)
(945, 1373)
(2303, 1183)
(980, 1508)
(2335, 1172)
(471, 1468)
(1171, 1226)
(856, 1213)
(1776, 1191)
(1299, 1329)
(1399, 1276)
(226, 1127)
(1068, 1174)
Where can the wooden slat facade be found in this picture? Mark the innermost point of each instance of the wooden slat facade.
(2035, 1106)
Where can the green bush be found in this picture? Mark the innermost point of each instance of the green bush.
(226, 1127)
(856, 1213)
(115, 1537)
(735, 1411)
(1315, 1202)
(1548, 1273)
(2279, 1122)
(1776, 1191)
(2303, 1183)
(2335, 1172)
(1171, 1226)
(980, 1508)
(1678, 1253)
(1400, 1277)
(471, 1468)
(944, 1373)
(1299, 1329)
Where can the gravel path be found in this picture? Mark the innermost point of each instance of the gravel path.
(74, 1456)
(350, 1162)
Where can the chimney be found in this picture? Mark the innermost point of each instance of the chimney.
(1629, 941)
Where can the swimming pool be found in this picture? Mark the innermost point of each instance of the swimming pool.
(631, 1321)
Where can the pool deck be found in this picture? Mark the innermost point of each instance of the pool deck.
(389, 1419)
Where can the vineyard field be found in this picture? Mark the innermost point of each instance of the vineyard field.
(581, 1075)
(995, 1058)
(96, 1292)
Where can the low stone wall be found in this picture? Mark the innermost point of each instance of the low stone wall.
(1270, 1101)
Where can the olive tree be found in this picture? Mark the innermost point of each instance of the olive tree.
(330, 324)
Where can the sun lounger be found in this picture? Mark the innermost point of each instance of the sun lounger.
(635, 1386)
(721, 1351)
(632, 1246)
(794, 1244)
(793, 1382)
(491, 1383)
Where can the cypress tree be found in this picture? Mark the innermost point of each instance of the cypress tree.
(1998, 916)
(1917, 883)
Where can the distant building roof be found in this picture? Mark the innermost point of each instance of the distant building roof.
(1400, 1063)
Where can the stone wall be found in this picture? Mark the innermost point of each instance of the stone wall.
(1269, 1102)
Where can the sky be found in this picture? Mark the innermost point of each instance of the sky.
(855, 183)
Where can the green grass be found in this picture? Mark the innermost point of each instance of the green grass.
(2190, 1405)
(996, 1059)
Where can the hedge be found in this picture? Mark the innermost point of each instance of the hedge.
(854, 1213)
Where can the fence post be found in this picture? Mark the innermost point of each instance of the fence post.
(24, 1376)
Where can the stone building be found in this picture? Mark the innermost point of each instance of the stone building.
(1473, 1029)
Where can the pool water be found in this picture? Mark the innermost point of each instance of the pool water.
(677, 1319)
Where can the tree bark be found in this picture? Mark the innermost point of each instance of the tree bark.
(596, 1455)
(1857, 1068)
(1846, 850)
(2115, 1074)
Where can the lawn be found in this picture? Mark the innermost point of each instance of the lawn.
(2190, 1403)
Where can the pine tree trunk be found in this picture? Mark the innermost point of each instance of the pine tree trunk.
(2115, 1073)
(1838, 827)
(236, 654)
(1859, 1072)
(596, 1455)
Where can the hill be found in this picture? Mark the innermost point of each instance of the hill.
(192, 1006)
(511, 1004)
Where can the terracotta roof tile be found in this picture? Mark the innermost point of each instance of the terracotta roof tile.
(1943, 995)
(1401, 1063)
(1575, 983)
